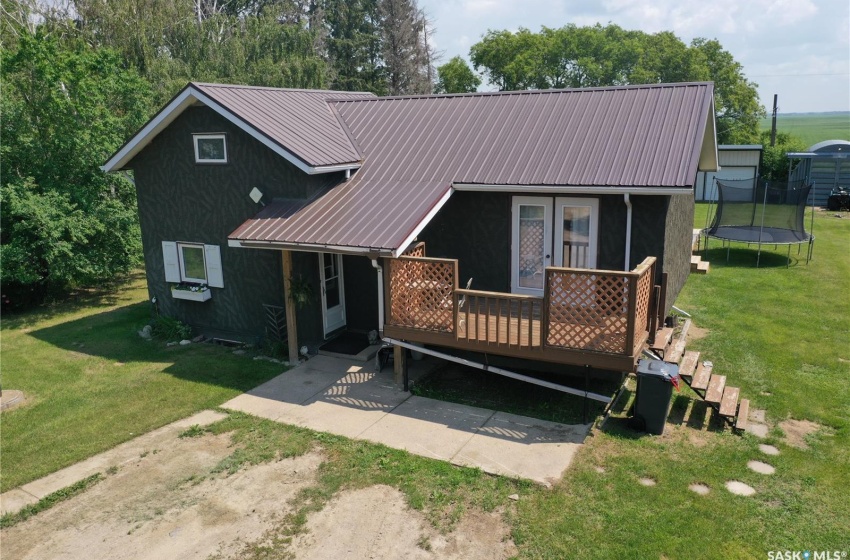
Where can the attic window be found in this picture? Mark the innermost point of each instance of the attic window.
(210, 148)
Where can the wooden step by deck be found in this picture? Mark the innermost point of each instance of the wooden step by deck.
(662, 339)
(698, 265)
(702, 376)
(688, 365)
(743, 415)
(729, 402)
(714, 393)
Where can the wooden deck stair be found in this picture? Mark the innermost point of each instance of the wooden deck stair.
(709, 386)
(698, 265)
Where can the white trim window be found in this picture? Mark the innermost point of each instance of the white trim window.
(210, 148)
(194, 263)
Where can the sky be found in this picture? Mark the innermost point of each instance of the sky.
(798, 49)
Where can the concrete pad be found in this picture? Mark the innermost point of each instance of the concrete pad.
(15, 500)
(349, 406)
(123, 453)
(518, 446)
(428, 427)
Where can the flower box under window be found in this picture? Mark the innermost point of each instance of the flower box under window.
(191, 293)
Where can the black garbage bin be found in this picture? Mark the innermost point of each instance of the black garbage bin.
(655, 381)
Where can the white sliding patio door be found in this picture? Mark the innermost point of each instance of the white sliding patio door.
(576, 232)
(549, 231)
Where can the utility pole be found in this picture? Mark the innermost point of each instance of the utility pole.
(773, 126)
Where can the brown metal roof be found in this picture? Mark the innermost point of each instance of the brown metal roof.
(301, 121)
(415, 147)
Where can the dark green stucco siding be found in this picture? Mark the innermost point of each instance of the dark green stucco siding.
(180, 200)
(474, 228)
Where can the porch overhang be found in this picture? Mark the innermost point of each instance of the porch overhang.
(370, 252)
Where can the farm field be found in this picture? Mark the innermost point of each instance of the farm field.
(813, 127)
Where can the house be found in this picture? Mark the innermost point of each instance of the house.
(736, 161)
(565, 214)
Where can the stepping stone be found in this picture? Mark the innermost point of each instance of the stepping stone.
(758, 430)
(739, 488)
(647, 481)
(761, 468)
(768, 449)
(600, 470)
(700, 489)
(758, 415)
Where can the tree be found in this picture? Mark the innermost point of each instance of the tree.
(599, 55)
(774, 164)
(404, 50)
(354, 45)
(64, 222)
(456, 76)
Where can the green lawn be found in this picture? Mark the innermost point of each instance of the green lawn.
(813, 127)
(781, 334)
(91, 382)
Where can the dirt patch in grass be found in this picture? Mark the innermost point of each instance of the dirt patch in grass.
(796, 432)
(696, 333)
(166, 504)
(391, 529)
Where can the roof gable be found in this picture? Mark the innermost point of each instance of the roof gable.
(298, 125)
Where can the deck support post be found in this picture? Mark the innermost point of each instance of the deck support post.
(400, 365)
(289, 303)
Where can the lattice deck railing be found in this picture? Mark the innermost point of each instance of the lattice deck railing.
(593, 310)
(598, 310)
(420, 293)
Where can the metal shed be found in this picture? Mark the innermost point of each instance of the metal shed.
(826, 164)
(737, 162)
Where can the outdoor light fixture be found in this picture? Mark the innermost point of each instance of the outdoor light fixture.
(256, 195)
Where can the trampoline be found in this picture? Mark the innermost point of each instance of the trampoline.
(753, 211)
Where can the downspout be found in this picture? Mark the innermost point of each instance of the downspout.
(380, 296)
(628, 231)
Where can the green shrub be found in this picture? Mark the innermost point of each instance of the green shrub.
(168, 328)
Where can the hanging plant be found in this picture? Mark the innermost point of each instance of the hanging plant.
(300, 291)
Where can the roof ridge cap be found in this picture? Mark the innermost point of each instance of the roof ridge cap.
(527, 92)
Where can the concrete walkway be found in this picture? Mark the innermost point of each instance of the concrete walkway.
(351, 399)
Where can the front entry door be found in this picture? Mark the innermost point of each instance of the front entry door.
(333, 294)
(536, 243)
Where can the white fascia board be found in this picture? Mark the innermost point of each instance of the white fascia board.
(424, 222)
(179, 104)
(150, 130)
(544, 189)
(307, 247)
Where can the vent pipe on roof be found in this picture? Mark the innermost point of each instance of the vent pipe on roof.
(628, 231)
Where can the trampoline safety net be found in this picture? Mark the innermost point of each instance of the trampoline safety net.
(754, 211)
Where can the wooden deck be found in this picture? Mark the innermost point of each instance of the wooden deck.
(586, 317)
